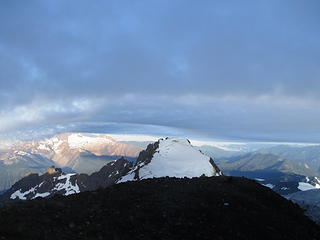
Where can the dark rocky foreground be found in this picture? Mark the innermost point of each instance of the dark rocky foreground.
(165, 208)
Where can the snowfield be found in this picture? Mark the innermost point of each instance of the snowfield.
(306, 186)
(175, 157)
(78, 140)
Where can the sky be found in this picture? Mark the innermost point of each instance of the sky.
(245, 70)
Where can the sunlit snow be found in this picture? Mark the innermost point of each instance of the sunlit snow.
(175, 157)
(81, 140)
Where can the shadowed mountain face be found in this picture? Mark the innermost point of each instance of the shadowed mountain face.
(163, 208)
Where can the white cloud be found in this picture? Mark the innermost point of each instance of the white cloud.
(44, 111)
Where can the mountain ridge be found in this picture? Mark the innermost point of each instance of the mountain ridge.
(166, 157)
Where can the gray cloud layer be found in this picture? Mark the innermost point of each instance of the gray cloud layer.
(240, 69)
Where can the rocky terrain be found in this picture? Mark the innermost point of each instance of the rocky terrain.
(164, 208)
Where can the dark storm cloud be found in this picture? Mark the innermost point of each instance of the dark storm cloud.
(163, 62)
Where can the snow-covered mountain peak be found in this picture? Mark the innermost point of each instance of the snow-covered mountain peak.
(172, 157)
(65, 149)
(79, 140)
(74, 141)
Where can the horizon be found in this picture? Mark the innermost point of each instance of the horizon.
(8, 141)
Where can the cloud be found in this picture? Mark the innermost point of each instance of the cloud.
(263, 118)
(246, 69)
(42, 112)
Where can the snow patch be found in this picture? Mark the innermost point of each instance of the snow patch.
(259, 179)
(305, 186)
(128, 177)
(21, 153)
(43, 146)
(43, 195)
(22, 195)
(64, 176)
(67, 186)
(269, 185)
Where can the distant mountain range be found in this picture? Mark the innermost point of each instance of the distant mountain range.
(284, 168)
(274, 168)
(309, 155)
(266, 162)
(73, 152)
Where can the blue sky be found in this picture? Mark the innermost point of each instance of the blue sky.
(229, 69)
